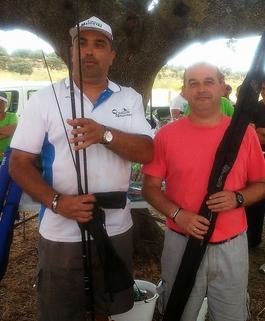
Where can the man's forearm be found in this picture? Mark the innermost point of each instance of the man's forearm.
(253, 193)
(7, 131)
(24, 171)
(191, 223)
(27, 175)
(159, 201)
(133, 147)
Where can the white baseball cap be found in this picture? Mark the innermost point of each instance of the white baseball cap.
(93, 23)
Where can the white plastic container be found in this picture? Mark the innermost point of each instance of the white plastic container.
(203, 311)
(142, 310)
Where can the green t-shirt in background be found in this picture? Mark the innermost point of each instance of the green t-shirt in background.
(10, 118)
(226, 107)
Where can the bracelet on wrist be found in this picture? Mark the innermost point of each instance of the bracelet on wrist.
(55, 201)
(173, 217)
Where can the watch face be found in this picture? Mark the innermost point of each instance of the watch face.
(107, 137)
(239, 198)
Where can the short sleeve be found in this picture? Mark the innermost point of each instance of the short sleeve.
(157, 167)
(12, 119)
(255, 160)
(226, 107)
(139, 124)
(173, 104)
(30, 132)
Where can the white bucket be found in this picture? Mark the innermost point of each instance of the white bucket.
(142, 310)
(203, 311)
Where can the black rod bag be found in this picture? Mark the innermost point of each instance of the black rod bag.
(116, 274)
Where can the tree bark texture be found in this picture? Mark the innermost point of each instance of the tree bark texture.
(144, 40)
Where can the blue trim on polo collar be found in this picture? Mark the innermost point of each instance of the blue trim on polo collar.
(112, 88)
(111, 85)
(103, 97)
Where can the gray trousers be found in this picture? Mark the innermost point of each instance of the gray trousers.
(222, 277)
(60, 285)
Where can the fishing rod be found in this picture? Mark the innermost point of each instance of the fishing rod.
(116, 275)
(84, 228)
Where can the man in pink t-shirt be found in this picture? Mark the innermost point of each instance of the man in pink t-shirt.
(184, 153)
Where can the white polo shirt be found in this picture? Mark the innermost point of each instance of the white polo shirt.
(40, 131)
(179, 102)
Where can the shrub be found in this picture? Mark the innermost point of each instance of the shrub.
(22, 53)
(21, 67)
(4, 61)
(55, 62)
(36, 54)
(3, 52)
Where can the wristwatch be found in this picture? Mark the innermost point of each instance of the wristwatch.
(107, 136)
(239, 199)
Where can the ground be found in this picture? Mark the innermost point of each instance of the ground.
(18, 292)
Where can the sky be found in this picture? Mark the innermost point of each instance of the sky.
(235, 54)
(20, 39)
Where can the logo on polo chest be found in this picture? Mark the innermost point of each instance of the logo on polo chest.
(121, 112)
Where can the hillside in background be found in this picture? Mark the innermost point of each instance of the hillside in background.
(171, 77)
(26, 64)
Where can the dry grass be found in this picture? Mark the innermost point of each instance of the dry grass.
(39, 74)
(18, 294)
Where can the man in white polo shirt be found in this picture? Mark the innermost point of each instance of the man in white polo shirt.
(178, 105)
(112, 132)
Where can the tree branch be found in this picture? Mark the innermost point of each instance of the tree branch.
(137, 5)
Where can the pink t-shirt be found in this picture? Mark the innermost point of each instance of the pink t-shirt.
(183, 156)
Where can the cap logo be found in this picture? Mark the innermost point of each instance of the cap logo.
(93, 23)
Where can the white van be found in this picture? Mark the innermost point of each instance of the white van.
(18, 92)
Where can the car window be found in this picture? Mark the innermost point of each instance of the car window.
(12, 103)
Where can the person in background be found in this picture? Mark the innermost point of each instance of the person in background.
(255, 212)
(8, 124)
(237, 91)
(226, 108)
(227, 91)
(178, 105)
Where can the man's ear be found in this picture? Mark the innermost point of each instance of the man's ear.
(183, 89)
(222, 83)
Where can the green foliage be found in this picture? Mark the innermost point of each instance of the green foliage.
(22, 53)
(169, 77)
(4, 61)
(52, 54)
(55, 63)
(3, 52)
(21, 67)
(170, 72)
(36, 54)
